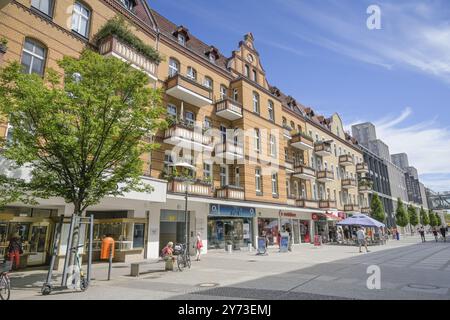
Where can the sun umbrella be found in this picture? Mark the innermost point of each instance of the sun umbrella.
(361, 220)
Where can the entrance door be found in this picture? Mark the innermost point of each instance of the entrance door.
(296, 231)
(38, 244)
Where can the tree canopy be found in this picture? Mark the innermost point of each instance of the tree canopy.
(412, 215)
(433, 219)
(377, 208)
(424, 219)
(401, 217)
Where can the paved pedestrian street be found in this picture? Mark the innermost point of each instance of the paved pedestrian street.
(409, 269)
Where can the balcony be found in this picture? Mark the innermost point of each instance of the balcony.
(187, 137)
(112, 46)
(327, 204)
(302, 141)
(362, 168)
(323, 149)
(307, 203)
(346, 160)
(291, 200)
(303, 172)
(351, 208)
(198, 188)
(229, 109)
(189, 90)
(364, 188)
(231, 193)
(229, 150)
(348, 183)
(289, 165)
(365, 210)
(325, 176)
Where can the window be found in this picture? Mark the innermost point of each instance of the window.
(235, 94)
(80, 19)
(273, 146)
(237, 177)
(174, 67)
(255, 102)
(208, 82)
(191, 73)
(292, 125)
(257, 141)
(172, 111)
(271, 111)
(212, 58)
(190, 118)
(181, 39)
(288, 188)
(274, 183)
(129, 4)
(223, 176)
(223, 133)
(284, 122)
(247, 71)
(299, 128)
(168, 162)
(296, 190)
(33, 57)
(258, 181)
(207, 123)
(286, 154)
(45, 6)
(303, 191)
(223, 91)
(207, 170)
(335, 151)
(254, 76)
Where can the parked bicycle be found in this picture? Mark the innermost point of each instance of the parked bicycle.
(183, 256)
(5, 283)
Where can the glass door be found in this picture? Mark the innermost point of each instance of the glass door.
(296, 231)
(38, 244)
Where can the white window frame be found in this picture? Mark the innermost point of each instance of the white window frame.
(37, 4)
(270, 108)
(81, 16)
(288, 187)
(258, 180)
(274, 178)
(34, 55)
(174, 67)
(223, 175)
(296, 190)
(223, 91)
(235, 94)
(207, 170)
(170, 108)
(257, 139)
(256, 102)
(191, 73)
(237, 177)
(181, 39)
(208, 82)
(273, 145)
(207, 123)
(188, 120)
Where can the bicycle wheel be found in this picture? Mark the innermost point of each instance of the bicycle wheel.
(83, 283)
(5, 287)
(180, 262)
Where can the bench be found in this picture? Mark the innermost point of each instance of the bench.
(136, 266)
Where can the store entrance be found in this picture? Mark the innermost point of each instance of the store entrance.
(229, 231)
(172, 227)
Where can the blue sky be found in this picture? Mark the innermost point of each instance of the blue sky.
(322, 53)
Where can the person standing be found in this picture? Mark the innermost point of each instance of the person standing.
(288, 230)
(14, 251)
(346, 234)
(422, 233)
(435, 233)
(443, 232)
(198, 246)
(361, 236)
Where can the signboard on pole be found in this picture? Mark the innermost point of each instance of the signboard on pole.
(284, 242)
(262, 249)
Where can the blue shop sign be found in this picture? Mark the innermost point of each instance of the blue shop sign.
(220, 210)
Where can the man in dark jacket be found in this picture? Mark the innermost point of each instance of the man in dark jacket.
(443, 232)
(14, 251)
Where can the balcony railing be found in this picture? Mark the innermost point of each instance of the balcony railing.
(304, 172)
(325, 175)
(188, 137)
(291, 200)
(302, 141)
(229, 150)
(351, 207)
(230, 192)
(307, 203)
(289, 165)
(197, 188)
(362, 168)
(364, 188)
(365, 210)
(348, 183)
(189, 90)
(327, 204)
(287, 132)
(346, 160)
(322, 149)
(229, 109)
(112, 46)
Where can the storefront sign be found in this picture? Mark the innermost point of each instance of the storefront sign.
(262, 245)
(219, 210)
(315, 217)
(288, 214)
(284, 242)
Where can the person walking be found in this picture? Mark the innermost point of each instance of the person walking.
(198, 246)
(422, 233)
(346, 235)
(361, 236)
(443, 233)
(14, 250)
(288, 230)
(435, 233)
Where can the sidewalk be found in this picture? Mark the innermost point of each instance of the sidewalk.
(217, 268)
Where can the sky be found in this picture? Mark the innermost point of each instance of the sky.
(323, 54)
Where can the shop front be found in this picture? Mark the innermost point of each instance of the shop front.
(325, 226)
(230, 225)
(172, 227)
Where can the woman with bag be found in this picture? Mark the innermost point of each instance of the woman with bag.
(14, 251)
(199, 245)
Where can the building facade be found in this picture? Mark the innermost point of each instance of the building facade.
(263, 162)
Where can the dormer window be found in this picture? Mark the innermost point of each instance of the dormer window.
(212, 58)
(182, 39)
(212, 54)
(129, 4)
(182, 35)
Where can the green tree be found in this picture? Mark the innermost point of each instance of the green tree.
(401, 217)
(424, 219)
(377, 209)
(82, 135)
(433, 220)
(413, 217)
(438, 220)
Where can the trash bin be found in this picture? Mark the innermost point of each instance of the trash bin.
(229, 248)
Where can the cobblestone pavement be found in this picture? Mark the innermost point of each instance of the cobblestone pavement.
(409, 269)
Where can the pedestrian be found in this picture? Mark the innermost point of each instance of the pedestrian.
(422, 233)
(288, 230)
(346, 234)
(435, 234)
(199, 245)
(443, 232)
(279, 239)
(361, 236)
(167, 255)
(14, 250)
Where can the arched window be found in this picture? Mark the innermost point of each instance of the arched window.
(255, 102)
(296, 190)
(208, 82)
(191, 73)
(223, 92)
(288, 187)
(303, 190)
(174, 67)
(235, 94)
(33, 57)
(80, 19)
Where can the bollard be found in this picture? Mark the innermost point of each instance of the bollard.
(250, 248)
(110, 261)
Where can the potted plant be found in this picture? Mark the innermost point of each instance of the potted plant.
(3, 44)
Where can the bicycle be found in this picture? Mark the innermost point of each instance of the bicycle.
(5, 283)
(183, 258)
